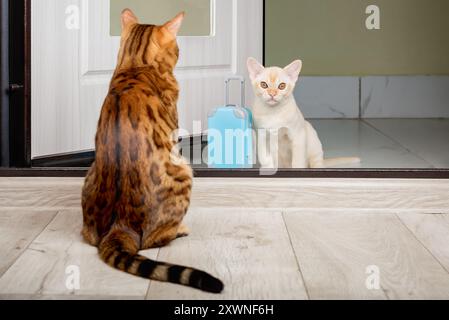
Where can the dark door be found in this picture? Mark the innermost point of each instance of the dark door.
(15, 83)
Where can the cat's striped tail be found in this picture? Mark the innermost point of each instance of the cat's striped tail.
(115, 254)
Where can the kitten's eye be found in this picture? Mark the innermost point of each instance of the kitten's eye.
(264, 85)
(282, 86)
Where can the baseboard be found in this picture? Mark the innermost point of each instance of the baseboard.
(300, 195)
(333, 195)
(82, 159)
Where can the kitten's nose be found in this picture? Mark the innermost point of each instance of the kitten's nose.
(272, 93)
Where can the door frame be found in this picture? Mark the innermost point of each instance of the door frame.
(4, 83)
(19, 131)
(16, 83)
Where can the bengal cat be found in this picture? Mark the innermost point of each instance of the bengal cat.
(137, 191)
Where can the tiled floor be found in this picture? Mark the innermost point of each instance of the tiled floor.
(426, 138)
(382, 143)
(387, 143)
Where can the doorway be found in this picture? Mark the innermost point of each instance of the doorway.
(74, 50)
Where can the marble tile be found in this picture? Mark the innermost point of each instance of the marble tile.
(405, 97)
(328, 97)
(427, 138)
(380, 149)
(343, 138)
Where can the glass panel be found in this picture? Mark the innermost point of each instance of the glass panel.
(387, 121)
(374, 82)
(198, 21)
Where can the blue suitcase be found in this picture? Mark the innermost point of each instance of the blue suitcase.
(230, 134)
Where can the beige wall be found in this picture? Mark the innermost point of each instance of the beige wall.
(331, 38)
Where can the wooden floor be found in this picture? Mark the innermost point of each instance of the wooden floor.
(266, 239)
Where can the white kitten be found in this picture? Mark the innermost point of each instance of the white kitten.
(296, 142)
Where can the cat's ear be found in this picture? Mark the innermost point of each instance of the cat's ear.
(293, 70)
(128, 18)
(174, 25)
(254, 68)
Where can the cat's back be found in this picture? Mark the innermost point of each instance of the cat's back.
(142, 82)
(140, 100)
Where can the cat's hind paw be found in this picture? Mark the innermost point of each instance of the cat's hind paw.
(183, 231)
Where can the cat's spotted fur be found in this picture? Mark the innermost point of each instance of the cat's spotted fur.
(135, 196)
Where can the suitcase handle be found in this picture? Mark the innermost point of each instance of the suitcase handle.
(242, 89)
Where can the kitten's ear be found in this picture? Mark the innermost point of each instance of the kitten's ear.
(174, 25)
(128, 18)
(293, 70)
(254, 68)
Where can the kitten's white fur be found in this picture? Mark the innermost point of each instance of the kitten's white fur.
(276, 111)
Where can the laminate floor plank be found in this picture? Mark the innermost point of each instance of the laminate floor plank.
(433, 232)
(18, 228)
(340, 253)
(249, 250)
(50, 262)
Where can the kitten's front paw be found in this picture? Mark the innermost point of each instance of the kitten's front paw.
(269, 164)
(266, 163)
